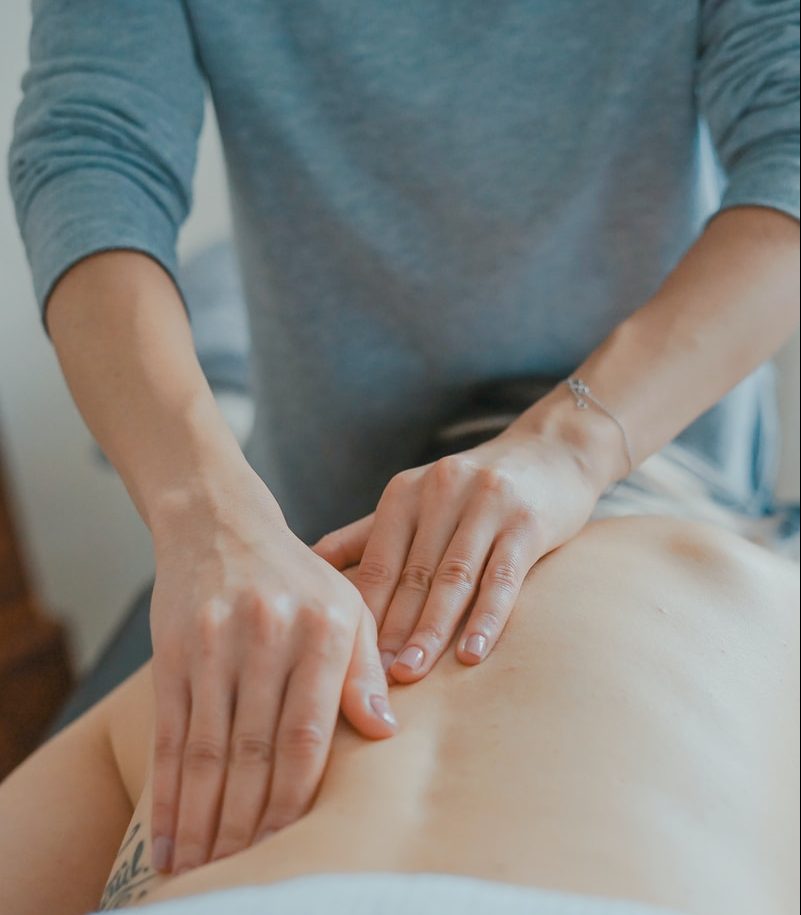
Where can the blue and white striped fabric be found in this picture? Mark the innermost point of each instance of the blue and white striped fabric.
(678, 482)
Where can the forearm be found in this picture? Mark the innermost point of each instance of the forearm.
(726, 308)
(125, 346)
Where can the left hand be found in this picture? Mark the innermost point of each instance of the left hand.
(461, 534)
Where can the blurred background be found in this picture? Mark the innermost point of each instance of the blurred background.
(85, 549)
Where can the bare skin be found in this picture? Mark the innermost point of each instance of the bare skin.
(220, 538)
(634, 735)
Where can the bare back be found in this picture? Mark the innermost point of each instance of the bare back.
(634, 735)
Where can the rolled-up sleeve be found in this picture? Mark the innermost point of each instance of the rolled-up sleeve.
(105, 136)
(747, 85)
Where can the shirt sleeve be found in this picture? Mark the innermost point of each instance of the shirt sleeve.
(105, 137)
(747, 85)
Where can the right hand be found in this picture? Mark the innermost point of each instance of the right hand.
(256, 642)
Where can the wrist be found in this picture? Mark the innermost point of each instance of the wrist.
(198, 472)
(218, 493)
(590, 437)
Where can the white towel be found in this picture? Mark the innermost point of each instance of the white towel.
(393, 894)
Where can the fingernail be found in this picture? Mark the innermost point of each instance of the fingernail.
(476, 645)
(162, 853)
(387, 659)
(411, 657)
(381, 707)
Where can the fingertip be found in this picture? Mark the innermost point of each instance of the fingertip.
(371, 715)
(162, 854)
(380, 707)
(405, 677)
(410, 665)
(473, 649)
(468, 660)
(327, 551)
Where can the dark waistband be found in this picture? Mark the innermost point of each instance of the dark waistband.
(487, 410)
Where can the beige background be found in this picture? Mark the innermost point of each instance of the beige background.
(88, 551)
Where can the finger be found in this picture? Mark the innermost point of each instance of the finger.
(203, 769)
(365, 699)
(385, 553)
(172, 717)
(439, 517)
(344, 547)
(454, 585)
(305, 729)
(251, 753)
(509, 563)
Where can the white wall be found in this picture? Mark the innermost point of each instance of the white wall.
(88, 552)
(788, 361)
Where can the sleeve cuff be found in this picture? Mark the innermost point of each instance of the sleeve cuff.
(90, 210)
(769, 181)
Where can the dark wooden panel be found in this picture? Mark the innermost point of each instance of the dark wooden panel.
(12, 577)
(35, 673)
(35, 680)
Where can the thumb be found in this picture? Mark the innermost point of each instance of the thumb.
(344, 547)
(365, 700)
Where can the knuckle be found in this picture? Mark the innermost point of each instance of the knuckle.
(374, 572)
(494, 482)
(264, 621)
(203, 753)
(324, 651)
(504, 575)
(392, 638)
(398, 486)
(431, 631)
(455, 570)
(450, 470)
(333, 548)
(330, 542)
(211, 619)
(332, 620)
(251, 749)
(525, 518)
(416, 576)
(489, 622)
(167, 746)
(328, 629)
(304, 741)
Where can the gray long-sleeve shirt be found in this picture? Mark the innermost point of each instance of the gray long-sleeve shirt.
(426, 194)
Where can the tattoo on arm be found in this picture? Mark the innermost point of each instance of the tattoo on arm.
(131, 877)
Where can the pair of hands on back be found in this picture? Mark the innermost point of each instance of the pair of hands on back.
(259, 640)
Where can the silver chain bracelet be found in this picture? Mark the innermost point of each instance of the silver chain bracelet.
(584, 396)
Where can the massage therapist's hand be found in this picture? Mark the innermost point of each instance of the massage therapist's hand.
(457, 537)
(256, 641)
